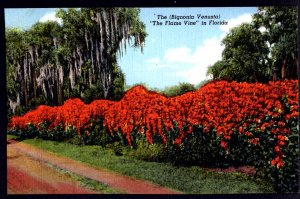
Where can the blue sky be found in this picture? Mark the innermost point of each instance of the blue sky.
(172, 54)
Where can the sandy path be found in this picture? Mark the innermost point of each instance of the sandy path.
(123, 183)
(29, 176)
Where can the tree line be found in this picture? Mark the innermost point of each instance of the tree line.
(261, 51)
(51, 62)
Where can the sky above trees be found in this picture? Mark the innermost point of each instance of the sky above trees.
(172, 54)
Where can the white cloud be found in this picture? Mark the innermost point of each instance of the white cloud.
(50, 17)
(244, 18)
(205, 55)
(182, 54)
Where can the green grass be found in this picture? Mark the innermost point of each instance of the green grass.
(12, 136)
(192, 180)
(86, 182)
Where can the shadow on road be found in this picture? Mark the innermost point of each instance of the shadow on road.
(14, 140)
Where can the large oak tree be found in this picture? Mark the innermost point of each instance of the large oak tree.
(265, 49)
(52, 62)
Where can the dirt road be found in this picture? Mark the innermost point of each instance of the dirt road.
(28, 173)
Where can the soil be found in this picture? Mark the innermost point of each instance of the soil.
(29, 176)
(248, 170)
(28, 173)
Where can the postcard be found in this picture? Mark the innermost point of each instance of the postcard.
(152, 100)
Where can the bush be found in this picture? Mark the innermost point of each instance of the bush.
(92, 133)
(56, 133)
(278, 157)
(221, 124)
(29, 131)
(199, 148)
(178, 89)
(148, 152)
(195, 148)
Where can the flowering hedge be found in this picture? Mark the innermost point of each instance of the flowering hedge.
(243, 122)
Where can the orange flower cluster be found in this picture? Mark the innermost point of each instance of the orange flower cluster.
(73, 113)
(41, 114)
(220, 105)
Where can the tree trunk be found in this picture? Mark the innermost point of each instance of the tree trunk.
(297, 69)
(25, 80)
(60, 86)
(34, 85)
(283, 69)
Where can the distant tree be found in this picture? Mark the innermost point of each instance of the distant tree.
(179, 89)
(202, 83)
(220, 70)
(144, 84)
(265, 49)
(245, 56)
(280, 30)
(118, 86)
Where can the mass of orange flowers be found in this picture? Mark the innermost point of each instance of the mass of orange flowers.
(219, 105)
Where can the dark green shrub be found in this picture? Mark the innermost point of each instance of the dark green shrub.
(285, 178)
(29, 132)
(148, 152)
(96, 134)
(116, 147)
(172, 151)
(200, 148)
(179, 89)
(57, 133)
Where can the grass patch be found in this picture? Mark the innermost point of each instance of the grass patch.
(13, 137)
(86, 182)
(192, 180)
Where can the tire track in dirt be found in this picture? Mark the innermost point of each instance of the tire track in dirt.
(20, 182)
(116, 181)
(28, 176)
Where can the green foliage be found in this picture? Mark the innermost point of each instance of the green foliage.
(244, 58)
(202, 83)
(200, 148)
(264, 50)
(52, 62)
(280, 24)
(197, 148)
(20, 110)
(29, 132)
(287, 179)
(179, 89)
(57, 133)
(148, 152)
(128, 87)
(193, 180)
(43, 131)
(284, 179)
(118, 86)
(172, 151)
(92, 93)
(95, 134)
